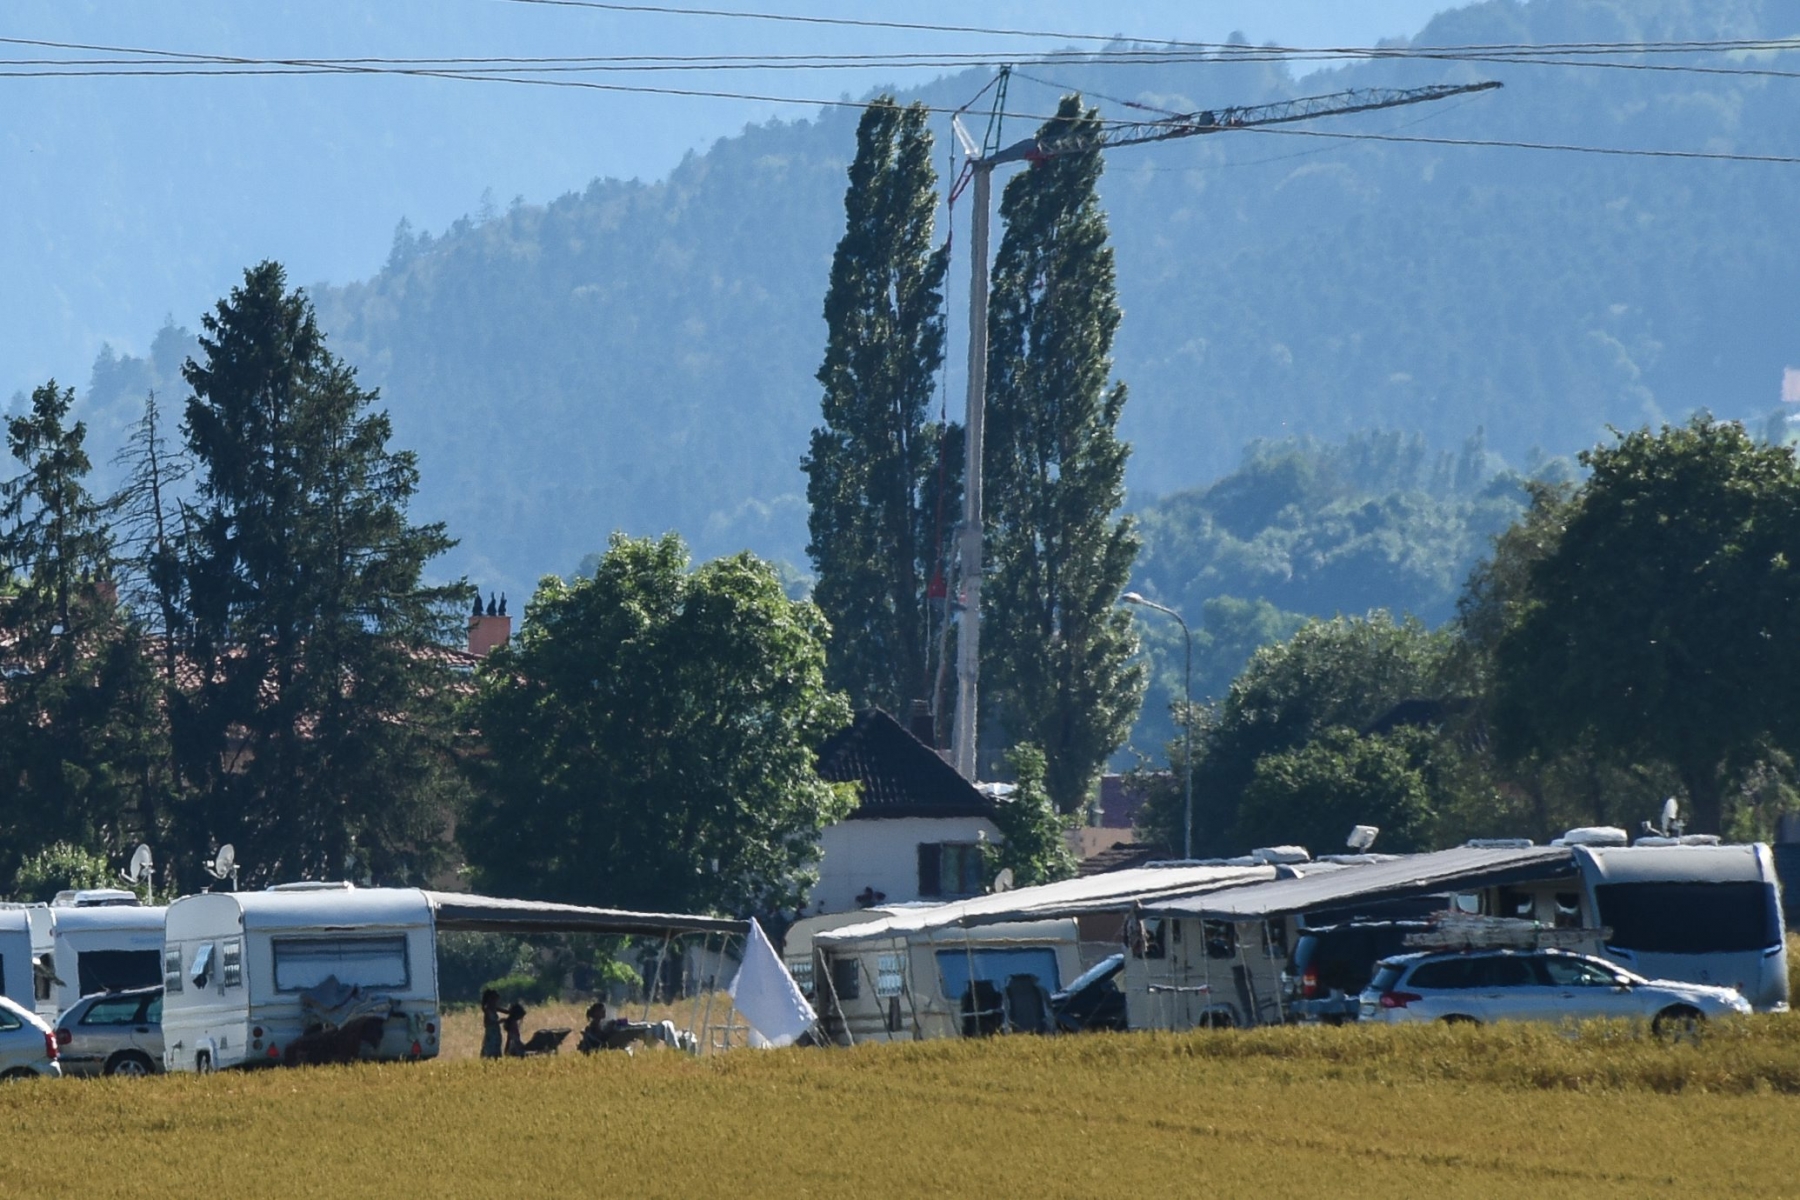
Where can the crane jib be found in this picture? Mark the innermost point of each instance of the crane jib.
(1106, 135)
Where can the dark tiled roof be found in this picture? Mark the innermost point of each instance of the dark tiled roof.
(900, 775)
(1120, 856)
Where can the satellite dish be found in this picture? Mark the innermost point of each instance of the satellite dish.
(1004, 880)
(141, 870)
(1671, 815)
(223, 864)
(1362, 837)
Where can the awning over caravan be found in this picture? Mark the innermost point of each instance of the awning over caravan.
(458, 911)
(1114, 891)
(1464, 867)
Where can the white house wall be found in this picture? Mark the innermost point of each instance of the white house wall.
(884, 855)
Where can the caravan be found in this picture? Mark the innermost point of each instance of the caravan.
(19, 951)
(241, 970)
(103, 946)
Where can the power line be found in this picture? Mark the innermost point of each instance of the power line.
(1717, 156)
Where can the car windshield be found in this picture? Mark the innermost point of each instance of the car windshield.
(1097, 972)
(1566, 971)
(1386, 976)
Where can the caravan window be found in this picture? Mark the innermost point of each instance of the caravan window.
(890, 975)
(1690, 918)
(116, 970)
(43, 976)
(370, 962)
(231, 963)
(172, 969)
(802, 971)
(996, 967)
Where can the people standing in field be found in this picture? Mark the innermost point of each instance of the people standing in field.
(490, 1024)
(515, 1042)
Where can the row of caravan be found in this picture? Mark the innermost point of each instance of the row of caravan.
(1210, 944)
(247, 975)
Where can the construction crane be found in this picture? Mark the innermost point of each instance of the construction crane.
(1087, 138)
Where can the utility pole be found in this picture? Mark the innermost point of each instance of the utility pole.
(1100, 135)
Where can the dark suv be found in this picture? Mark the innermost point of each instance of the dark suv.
(1332, 964)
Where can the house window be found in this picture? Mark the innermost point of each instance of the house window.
(949, 869)
(890, 975)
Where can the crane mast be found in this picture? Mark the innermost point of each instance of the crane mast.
(1087, 138)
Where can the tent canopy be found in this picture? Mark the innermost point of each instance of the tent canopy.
(1411, 875)
(464, 913)
(1115, 891)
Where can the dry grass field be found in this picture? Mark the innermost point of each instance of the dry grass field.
(1441, 1112)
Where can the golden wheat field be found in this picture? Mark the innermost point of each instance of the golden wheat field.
(1438, 1112)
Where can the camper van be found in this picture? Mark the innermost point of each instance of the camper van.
(104, 947)
(240, 971)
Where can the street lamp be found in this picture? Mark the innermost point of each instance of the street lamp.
(1187, 719)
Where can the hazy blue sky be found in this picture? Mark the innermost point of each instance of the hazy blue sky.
(129, 199)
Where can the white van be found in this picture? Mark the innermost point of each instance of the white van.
(235, 965)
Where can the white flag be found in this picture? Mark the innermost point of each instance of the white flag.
(766, 996)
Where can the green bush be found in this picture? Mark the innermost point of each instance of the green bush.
(58, 866)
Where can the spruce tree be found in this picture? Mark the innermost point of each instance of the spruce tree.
(882, 479)
(1056, 649)
(317, 735)
(80, 726)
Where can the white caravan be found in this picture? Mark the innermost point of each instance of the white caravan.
(18, 981)
(235, 964)
(103, 947)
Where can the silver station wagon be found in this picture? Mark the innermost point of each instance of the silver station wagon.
(113, 1033)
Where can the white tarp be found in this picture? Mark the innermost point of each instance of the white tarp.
(766, 996)
(1114, 891)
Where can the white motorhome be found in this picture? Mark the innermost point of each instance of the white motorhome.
(235, 965)
(102, 947)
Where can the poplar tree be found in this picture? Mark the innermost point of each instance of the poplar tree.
(883, 480)
(1056, 649)
(316, 737)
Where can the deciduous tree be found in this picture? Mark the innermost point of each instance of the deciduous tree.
(649, 739)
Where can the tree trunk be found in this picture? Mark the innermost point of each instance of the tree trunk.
(1706, 798)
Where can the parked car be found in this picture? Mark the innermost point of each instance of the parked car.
(1093, 1000)
(1332, 964)
(27, 1043)
(113, 1033)
(1536, 985)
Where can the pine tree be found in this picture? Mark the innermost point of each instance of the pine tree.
(316, 737)
(148, 524)
(80, 729)
(1056, 649)
(882, 479)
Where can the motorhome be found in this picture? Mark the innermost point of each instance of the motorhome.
(1689, 910)
(235, 967)
(101, 946)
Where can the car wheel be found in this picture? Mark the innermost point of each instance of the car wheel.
(18, 1073)
(130, 1062)
(1459, 1019)
(1679, 1023)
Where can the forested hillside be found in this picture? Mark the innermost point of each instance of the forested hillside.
(640, 356)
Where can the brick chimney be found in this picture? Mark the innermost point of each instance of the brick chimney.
(490, 628)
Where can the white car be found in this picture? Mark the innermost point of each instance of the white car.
(27, 1044)
(1535, 985)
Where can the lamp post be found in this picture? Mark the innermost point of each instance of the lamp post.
(1187, 719)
